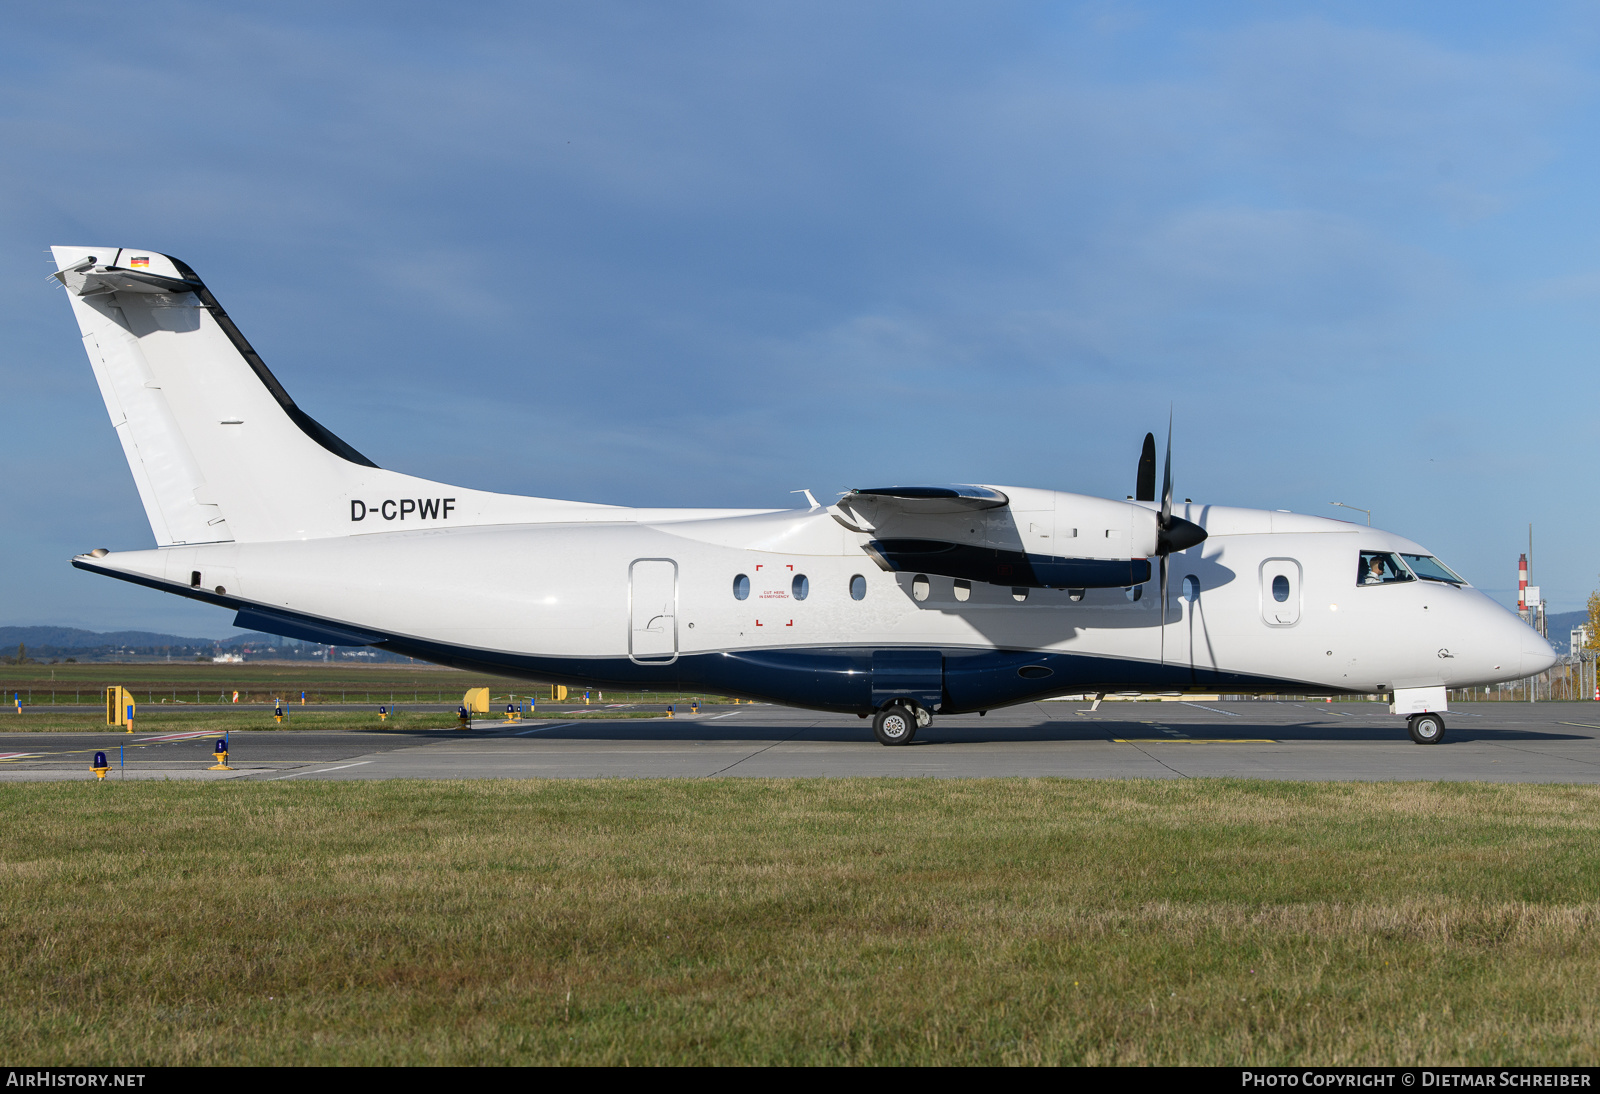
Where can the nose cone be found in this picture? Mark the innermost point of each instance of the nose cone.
(1536, 653)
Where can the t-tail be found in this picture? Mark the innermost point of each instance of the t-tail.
(218, 449)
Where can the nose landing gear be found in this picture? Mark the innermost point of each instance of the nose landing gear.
(1426, 729)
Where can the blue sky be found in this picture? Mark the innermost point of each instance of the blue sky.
(709, 254)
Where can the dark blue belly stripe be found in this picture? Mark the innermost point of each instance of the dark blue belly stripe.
(839, 678)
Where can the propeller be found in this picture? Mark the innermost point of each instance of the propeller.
(1172, 533)
(1163, 529)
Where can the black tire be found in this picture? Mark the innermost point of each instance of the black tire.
(1426, 729)
(896, 724)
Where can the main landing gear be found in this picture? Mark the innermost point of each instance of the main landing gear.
(897, 723)
(1426, 729)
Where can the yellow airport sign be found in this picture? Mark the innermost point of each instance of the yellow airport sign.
(119, 706)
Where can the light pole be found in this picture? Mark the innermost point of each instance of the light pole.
(1357, 508)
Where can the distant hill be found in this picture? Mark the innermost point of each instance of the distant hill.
(1560, 627)
(59, 643)
(71, 638)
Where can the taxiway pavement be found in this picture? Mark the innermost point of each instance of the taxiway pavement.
(1494, 742)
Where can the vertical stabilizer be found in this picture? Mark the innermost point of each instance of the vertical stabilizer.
(219, 450)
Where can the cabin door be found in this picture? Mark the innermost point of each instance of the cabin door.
(653, 611)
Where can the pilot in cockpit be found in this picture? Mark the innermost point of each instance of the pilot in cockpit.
(1381, 568)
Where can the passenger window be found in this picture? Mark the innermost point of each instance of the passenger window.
(800, 587)
(1281, 587)
(1134, 592)
(1191, 589)
(919, 586)
(963, 589)
(858, 588)
(1381, 568)
(741, 587)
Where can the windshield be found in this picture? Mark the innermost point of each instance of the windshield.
(1429, 568)
(1381, 568)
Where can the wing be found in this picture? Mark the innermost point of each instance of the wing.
(980, 533)
(865, 510)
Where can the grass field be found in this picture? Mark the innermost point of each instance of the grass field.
(835, 921)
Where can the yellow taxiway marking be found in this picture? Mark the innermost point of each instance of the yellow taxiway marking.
(1582, 725)
(1192, 741)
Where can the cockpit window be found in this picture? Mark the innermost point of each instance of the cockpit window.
(1381, 568)
(1429, 568)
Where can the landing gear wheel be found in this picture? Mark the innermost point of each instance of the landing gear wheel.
(895, 725)
(1426, 729)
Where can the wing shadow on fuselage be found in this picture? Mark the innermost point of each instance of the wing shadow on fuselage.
(1032, 633)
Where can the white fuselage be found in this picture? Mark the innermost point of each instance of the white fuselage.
(567, 601)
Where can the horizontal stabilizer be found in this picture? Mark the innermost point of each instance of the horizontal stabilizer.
(87, 279)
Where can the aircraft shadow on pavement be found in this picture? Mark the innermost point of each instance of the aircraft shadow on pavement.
(1375, 730)
(966, 730)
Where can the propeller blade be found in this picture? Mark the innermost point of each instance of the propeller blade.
(1166, 479)
(1145, 488)
(1173, 533)
(1163, 609)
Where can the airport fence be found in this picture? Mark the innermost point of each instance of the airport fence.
(1570, 681)
(256, 695)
